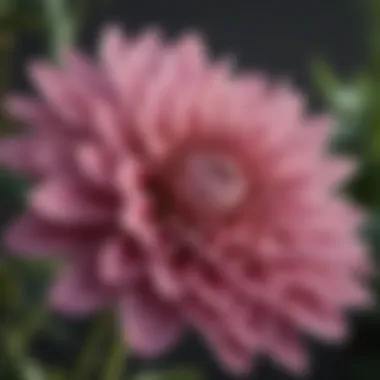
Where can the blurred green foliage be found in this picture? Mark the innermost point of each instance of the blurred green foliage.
(355, 103)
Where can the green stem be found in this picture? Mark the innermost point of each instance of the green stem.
(32, 326)
(21, 336)
(85, 365)
(115, 363)
(61, 26)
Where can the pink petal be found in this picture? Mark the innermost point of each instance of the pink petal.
(343, 290)
(318, 132)
(120, 262)
(233, 356)
(285, 347)
(32, 237)
(192, 55)
(166, 280)
(33, 157)
(62, 201)
(322, 321)
(211, 286)
(93, 163)
(76, 293)
(140, 63)
(81, 68)
(26, 109)
(337, 171)
(151, 326)
(233, 351)
(15, 154)
(112, 46)
(58, 92)
(108, 127)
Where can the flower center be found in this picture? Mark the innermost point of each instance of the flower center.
(213, 180)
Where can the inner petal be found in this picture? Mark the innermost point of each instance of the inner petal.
(214, 181)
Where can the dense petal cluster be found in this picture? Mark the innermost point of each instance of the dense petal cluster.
(185, 194)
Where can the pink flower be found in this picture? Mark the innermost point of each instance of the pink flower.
(184, 194)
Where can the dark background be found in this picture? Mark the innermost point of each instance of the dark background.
(278, 36)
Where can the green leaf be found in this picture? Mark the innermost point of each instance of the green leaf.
(88, 360)
(351, 98)
(61, 24)
(324, 78)
(32, 371)
(5, 7)
(179, 373)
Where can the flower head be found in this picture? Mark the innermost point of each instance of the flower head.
(185, 194)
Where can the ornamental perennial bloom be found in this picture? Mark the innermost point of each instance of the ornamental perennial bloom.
(184, 194)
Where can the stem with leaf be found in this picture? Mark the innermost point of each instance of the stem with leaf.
(85, 366)
(116, 359)
(61, 25)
